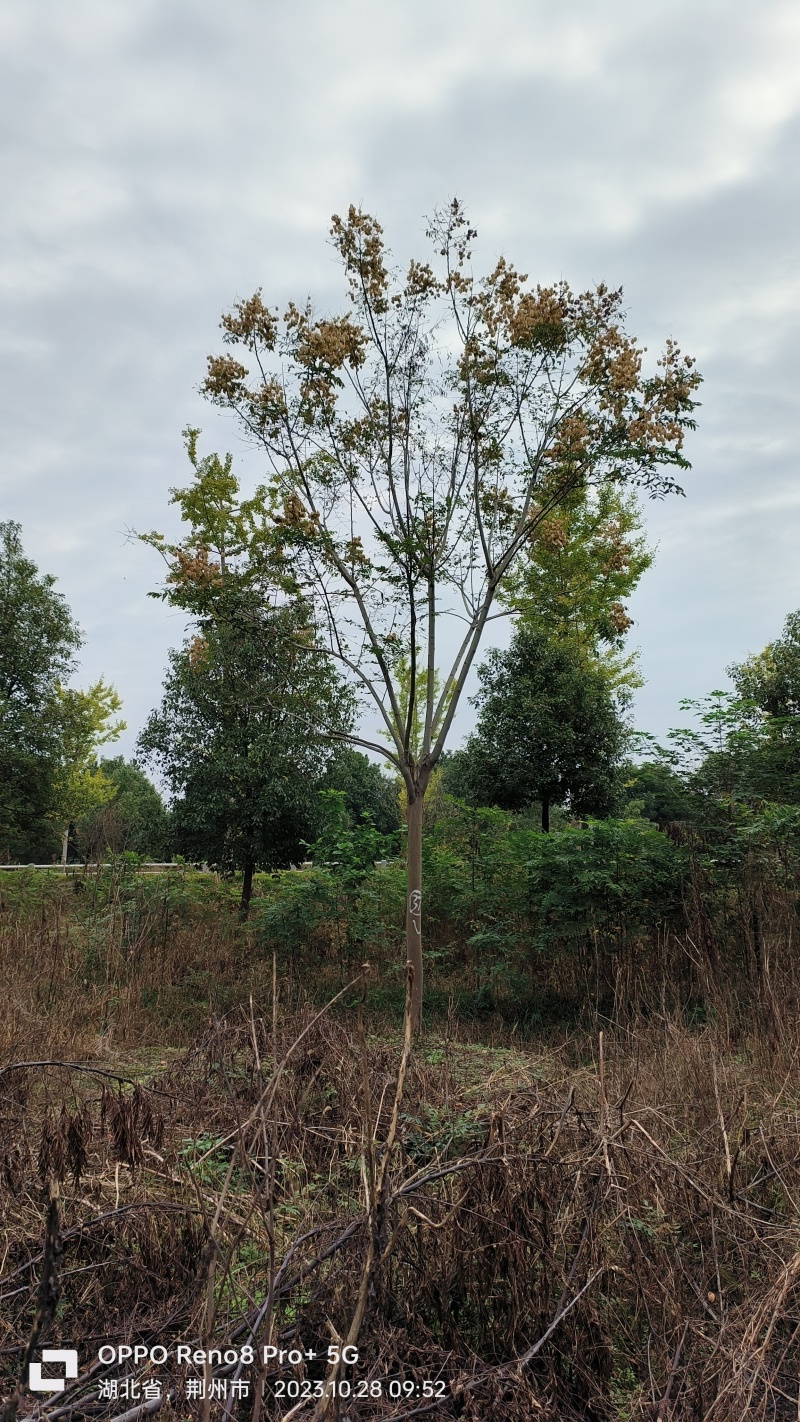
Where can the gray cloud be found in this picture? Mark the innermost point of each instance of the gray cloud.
(159, 159)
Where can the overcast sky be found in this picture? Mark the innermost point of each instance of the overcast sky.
(161, 158)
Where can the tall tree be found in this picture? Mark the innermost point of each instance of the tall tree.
(550, 725)
(548, 731)
(38, 644)
(768, 684)
(771, 679)
(252, 709)
(236, 738)
(134, 819)
(746, 745)
(87, 721)
(49, 733)
(742, 750)
(573, 581)
(417, 444)
(367, 790)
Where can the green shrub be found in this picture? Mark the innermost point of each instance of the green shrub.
(611, 882)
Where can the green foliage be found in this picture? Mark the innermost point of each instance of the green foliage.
(771, 679)
(741, 754)
(724, 734)
(349, 849)
(501, 900)
(314, 914)
(576, 575)
(735, 759)
(206, 1160)
(348, 902)
(87, 723)
(435, 1134)
(228, 540)
(499, 897)
(605, 885)
(49, 733)
(252, 709)
(518, 923)
(237, 736)
(768, 684)
(548, 730)
(367, 790)
(38, 643)
(134, 820)
(512, 890)
(655, 790)
(38, 636)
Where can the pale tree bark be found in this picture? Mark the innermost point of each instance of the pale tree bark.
(414, 900)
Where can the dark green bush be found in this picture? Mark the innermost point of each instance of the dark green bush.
(611, 882)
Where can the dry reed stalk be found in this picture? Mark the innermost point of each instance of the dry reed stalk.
(556, 1239)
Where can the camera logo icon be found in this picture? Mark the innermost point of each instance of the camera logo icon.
(67, 1356)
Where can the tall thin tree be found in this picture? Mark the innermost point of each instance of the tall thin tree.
(416, 444)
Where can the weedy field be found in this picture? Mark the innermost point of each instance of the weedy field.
(595, 1217)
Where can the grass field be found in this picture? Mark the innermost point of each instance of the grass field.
(588, 1216)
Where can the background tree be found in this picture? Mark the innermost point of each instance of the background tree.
(236, 741)
(367, 790)
(768, 689)
(239, 736)
(418, 442)
(573, 581)
(742, 751)
(134, 819)
(713, 755)
(49, 733)
(87, 722)
(548, 730)
(771, 679)
(655, 790)
(745, 746)
(38, 643)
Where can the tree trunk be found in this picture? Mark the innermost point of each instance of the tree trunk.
(545, 814)
(247, 890)
(414, 904)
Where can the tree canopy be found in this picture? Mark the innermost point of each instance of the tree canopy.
(548, 730)
(49, 732)
(252, 710)
(768, 691)
(366, 789)
(132, 820)
(418, 441)
(573, 580)
(236, 739)
(743, 750)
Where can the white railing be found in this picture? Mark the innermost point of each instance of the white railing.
(148, 868)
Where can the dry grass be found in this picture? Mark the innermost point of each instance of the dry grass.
(591, 1227)
(101, 963)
